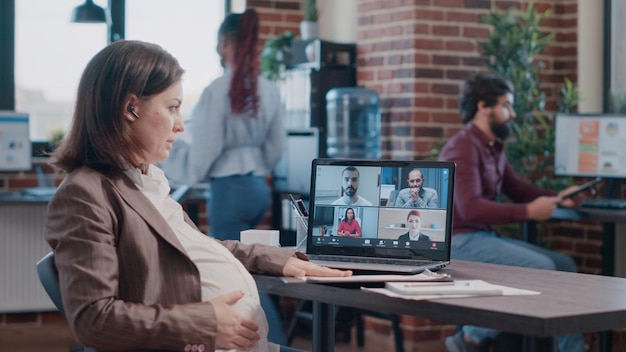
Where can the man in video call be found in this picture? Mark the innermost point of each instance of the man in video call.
(350, 185)
(417, 196)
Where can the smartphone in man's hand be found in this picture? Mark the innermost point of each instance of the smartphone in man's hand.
(582, 188)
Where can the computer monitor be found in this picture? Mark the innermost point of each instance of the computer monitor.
(590, 145)
(15, 146)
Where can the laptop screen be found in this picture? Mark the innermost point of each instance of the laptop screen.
(381, 208)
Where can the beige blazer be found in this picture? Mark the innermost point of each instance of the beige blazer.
(126, 282)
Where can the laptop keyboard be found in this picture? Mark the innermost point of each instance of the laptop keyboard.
(368, 260)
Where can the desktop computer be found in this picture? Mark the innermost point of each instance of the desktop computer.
(15, 145)
(592, 145)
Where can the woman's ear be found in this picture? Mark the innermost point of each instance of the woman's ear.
(130, 109)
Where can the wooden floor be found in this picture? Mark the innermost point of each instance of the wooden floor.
(56, 337)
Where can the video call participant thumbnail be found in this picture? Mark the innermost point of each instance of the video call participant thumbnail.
(350, 185)
(414, 224)
(416, 195)
(349, 226)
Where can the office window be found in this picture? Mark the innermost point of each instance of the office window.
(51, 52)
(188, 30)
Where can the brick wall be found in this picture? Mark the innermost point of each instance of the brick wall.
(417, 54)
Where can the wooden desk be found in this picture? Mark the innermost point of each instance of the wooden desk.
(569, 303)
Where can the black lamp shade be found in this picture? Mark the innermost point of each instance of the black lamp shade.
(88, 13)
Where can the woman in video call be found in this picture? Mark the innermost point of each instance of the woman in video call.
(414, 223)
(349, 226)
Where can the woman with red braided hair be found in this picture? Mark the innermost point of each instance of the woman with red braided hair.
(238, 134)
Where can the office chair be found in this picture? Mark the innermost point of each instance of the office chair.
(49, 277)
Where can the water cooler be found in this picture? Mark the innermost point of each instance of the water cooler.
(353, 123)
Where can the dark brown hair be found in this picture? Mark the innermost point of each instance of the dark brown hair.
(243, 31)
(486, 87)
(100, 137)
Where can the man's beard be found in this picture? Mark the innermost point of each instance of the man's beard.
(350, 191)
(501, 130)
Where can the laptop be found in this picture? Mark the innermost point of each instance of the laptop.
(393, 233)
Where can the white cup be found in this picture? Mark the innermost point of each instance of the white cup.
(268, 237)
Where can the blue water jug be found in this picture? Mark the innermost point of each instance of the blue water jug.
(353, 123)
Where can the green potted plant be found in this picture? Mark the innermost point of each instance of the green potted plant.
(309, 28)
(513, 47)
(276, 55)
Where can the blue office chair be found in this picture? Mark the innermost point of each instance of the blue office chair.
(49, 277)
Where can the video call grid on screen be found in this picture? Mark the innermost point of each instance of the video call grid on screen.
(383, 222)
(15, 145)
(590, 145)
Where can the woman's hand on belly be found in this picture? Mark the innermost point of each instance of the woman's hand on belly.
(234, 331)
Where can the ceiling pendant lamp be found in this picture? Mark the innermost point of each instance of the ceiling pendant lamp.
(89, 13)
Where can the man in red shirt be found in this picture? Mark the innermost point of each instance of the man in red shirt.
(483, 174)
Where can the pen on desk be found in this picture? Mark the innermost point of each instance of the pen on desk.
(295, 206)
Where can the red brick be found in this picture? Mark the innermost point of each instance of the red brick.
(430, 131)
(460, 45)
(441, 88)
(503, 5)
(433, 15)
(447, 60)
(475, 32)
(420, 116)
(478, 4)
(418, 87)
(428, 102)
(416, 28)
(561, 37)
(566, 9)
(460, 75)
(475, 61)
(428, 73)
(427, 44)
(420, 59)
(454, 16)
(449, 3)
(446, 30)
(364, 75)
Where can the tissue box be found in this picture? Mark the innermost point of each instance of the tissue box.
(268, 237)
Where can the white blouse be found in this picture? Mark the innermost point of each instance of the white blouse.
(220, 271)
